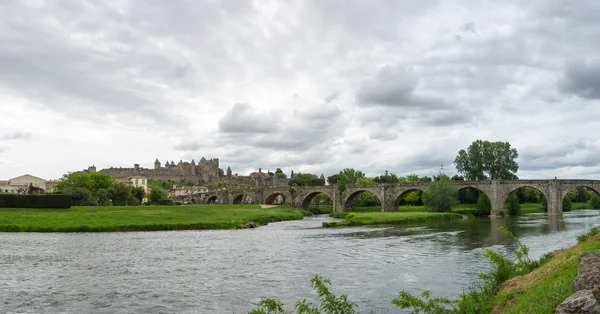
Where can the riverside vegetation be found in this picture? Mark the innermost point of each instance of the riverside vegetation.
(142, 218)
(519, 285)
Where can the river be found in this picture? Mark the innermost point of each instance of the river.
(227, 271)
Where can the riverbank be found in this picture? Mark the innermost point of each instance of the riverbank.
(543, 289)
(389, 218)
(142, 218)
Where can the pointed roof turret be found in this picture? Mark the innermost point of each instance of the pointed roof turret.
(172, 163)
(203, 159)
(322, 177)
(156, 161)
(193, 162)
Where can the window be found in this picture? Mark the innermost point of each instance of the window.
(136, 181)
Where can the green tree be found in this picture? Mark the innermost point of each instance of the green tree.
(387, 178)
(333, 179)
(572, 195)
(119, 193)
(582, 195)
(103, 197)
(484, 207)
(441, 195)
(487, 160)
(512, 204)
(306, 179)
(79, 196)
(567, 204)
(412, 197)
(279, 173)
(595, 202)
(138, 193)
(157, 194)
(350, 176)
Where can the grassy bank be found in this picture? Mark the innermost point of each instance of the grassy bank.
(141, 218)
(546, 287)
(393, 218)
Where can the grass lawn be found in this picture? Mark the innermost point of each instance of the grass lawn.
(389, 218)
(141, 218)
(547, 286)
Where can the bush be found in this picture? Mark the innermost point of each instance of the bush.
(165, 202)
(483, 206)
(567, 204)
(512, 204)
(35, 201)
(595, 202)
(441, 195)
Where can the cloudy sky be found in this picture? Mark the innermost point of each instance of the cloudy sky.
(310, 86)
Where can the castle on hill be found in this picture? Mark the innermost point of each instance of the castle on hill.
(186, 172)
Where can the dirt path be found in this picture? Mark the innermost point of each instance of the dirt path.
(267, 206)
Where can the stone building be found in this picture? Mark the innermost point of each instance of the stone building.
(187, 172)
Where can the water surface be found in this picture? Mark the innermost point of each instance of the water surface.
(227, 271)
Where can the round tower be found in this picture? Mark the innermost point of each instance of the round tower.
(156, 164)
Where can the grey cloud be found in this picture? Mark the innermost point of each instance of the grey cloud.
(392, 86)
(243, 118)
(17, 136)
(577, 153)
(581, 78)
(333, 96)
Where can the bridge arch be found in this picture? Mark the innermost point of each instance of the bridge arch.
(273, 197)
(570, 187)
(353, 194)
(398, 199)
(503, 197)
(238, 199)
(310, 196)
(212, 199)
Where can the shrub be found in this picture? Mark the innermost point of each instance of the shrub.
(165, 202)
(483, 207)
(567, 204)
(35, 201)
(512, 204)
(595, 202)
(441, 195)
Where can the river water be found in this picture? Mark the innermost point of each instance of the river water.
(227, 271)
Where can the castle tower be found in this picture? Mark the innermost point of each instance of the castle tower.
(156, 164)
(193, 167)
(229, 172)
(136, 167)
(292, 176)
(92, 169)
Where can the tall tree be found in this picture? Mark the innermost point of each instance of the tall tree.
(306, 179)
(350, 176)
(487, 160)
(333, 179)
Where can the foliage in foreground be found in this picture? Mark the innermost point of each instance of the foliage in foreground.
(330, 303)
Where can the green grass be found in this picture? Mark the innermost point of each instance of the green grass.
(321, 209)
(527, 208)
(547, 286)
(585, 205)
(141, 218)
(390, 218)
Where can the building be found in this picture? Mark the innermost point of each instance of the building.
(21, 183)
(187, 172)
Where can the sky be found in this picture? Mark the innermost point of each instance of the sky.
(311, 86)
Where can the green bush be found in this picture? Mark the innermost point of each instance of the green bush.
(165, 202)
(483, 206)
(512, 204)
(35, 201)
(567, 204)
(595, 202)
(441, 195)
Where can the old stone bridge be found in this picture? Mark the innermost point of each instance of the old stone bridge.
(390, 195)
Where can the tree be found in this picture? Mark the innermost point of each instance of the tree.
(484, 207)
(567, 204)
(79, 196)
(138, 193)
(412, 197)
(119, 193)
(487, 160)
(441, 195)
(279, 174)
(387, 178)
(595, 202)
(332, 179)
(103, 197)
(457, 178)
(512, 204)
(306, 179)
(350, 176)
(157, 194)
(582, 195)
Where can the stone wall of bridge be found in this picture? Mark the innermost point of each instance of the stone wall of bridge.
(390, 195)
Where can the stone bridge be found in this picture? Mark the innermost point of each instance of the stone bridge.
(390, 195)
